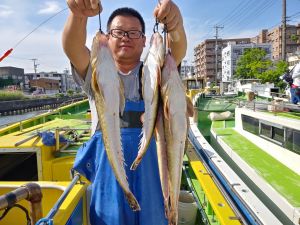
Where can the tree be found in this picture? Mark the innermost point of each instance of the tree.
(252, 63)
(273, 74)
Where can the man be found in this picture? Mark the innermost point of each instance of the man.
(126, 40)
(295, 87)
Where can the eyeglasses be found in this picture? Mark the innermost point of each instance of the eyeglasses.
(132, 34)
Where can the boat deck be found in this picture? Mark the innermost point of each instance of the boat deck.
(31, 137)
(279, 176)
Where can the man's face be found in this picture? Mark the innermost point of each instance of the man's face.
(126, 49)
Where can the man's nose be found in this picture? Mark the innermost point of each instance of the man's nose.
(126, 35)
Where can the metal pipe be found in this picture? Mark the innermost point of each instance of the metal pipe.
(31, 192)
(55, 208)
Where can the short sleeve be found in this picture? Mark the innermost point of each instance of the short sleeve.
(85, 84)
(296, 71)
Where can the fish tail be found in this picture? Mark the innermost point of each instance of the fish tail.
(173, 220)
(135, 163)
(133, 203)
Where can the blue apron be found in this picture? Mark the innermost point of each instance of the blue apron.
(108, 204)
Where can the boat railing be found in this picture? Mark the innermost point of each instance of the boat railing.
(31, 192)
(77, 134)
(48, 220)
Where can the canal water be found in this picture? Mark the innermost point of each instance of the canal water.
(7, 120)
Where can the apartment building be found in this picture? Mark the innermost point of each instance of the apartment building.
(205, 58)
(293, 59)
(232, 53)
(274, 36)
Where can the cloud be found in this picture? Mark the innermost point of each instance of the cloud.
(5, 11)
(50, 7)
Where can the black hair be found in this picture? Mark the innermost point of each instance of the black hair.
(125, 11)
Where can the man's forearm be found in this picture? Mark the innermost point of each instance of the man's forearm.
(73, 40)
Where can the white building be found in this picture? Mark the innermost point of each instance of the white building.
(293, 59)
(232, 53)
(186, 71)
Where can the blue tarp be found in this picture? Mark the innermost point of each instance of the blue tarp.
(48, 138)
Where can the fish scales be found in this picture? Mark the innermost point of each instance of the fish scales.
(161, 148)
(175, 126)
(150, 91)
(106, 86)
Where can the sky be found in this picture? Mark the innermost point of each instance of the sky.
(239, 18)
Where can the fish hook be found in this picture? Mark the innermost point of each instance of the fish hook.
(165, 38)
(155, 28)
(100, 29)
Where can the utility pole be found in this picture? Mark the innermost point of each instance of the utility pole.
(34, 65)
(283, 31)
(216, 51)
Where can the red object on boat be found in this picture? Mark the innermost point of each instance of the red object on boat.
(6, 54)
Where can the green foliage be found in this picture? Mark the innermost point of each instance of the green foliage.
(9, 95)
(59, 95)
(70, 92)
(273, 74)
(252, 63)
(294, 37)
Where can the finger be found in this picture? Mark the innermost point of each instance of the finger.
(95, 4)
(74, 8)
(164, 11)
(87, 4)
(80, 4)
(172, 25)
(169, 18)
(90, 12)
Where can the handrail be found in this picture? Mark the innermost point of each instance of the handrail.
(49, 218)
(31, 192)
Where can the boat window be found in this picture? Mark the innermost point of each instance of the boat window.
(289, 139)
(292, 141)
(278, 134)
(266, 130)
(250, 124)
(296, 142)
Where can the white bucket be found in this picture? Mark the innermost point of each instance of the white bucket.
(187, 208)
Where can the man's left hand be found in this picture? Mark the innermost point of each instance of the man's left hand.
(167, 12)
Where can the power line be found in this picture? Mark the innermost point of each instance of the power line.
(42, 23)
(8, 52)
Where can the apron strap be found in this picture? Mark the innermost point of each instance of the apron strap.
(140, 80)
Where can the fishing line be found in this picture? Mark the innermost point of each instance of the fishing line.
(8, 52)
(39, 26)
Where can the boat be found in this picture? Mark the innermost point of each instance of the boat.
(254, 155)
(218, 191)
(36, 158)
(37, 155)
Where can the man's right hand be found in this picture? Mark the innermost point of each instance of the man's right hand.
(85, 8)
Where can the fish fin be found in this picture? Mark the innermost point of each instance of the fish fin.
(190, 107)
(159, 78)
(166, 109)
